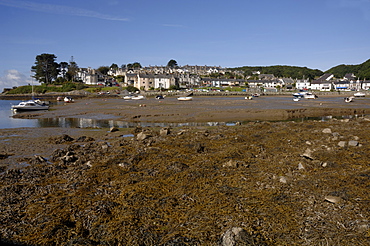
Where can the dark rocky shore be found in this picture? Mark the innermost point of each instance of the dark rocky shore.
(264, 183)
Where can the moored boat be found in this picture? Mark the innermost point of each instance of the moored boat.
(348, 99)
(359, 94)
(30, 106)
(68, 99)
(310, 96)
(138, 97)
(184, 98)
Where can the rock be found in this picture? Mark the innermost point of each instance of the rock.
(332, 199)
(353, 143)
(113, 129)
(231, 163)
(3, 156)
(164, 131)
(342, 144)
(142, 136)
(283, 180)
(236, 236)
(300, 166)
(40, 159)
(308, 154)
(326, 130)
(85, 139)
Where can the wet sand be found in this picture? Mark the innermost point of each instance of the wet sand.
(205, 109)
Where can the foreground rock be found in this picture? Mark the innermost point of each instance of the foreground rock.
(281, 183)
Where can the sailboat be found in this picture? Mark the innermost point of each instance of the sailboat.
(31, 105)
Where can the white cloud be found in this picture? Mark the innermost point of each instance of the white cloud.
(12, 78)
(58, 9)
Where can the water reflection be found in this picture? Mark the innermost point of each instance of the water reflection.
(93, 123)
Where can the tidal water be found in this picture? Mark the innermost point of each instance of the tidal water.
(6, 119)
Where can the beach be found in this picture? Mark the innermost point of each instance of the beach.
(264, 180)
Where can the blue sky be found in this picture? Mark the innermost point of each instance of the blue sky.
(310, 33)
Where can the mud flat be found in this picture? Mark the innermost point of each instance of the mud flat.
(257, 183)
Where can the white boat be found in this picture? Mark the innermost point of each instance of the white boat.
(296, 99)
(139, 97)
(359, 94)
(310, 96)
(248, 98)
(29, 106)
(348, 99)
(128, 97)
(68, 99)
(184, 98)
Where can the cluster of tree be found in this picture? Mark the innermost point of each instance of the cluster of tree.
(361, 71)
(281, 71)
(48, 71)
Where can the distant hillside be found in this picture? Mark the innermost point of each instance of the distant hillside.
(283, 71)
(361, 71)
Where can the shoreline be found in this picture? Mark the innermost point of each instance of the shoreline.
(203, 109)
(202, 185)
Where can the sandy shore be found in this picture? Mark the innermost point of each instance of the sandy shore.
(204, 109)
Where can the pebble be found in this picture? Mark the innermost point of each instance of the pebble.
(326, 130)
(332, 199)
(353, 143)
(342, 144)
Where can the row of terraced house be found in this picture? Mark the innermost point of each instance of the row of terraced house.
(161, 77)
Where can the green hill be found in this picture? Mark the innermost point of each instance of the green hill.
(282, 71)
(362, 71)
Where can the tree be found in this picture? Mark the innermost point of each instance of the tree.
(46, 69)
(114, 66)
(72, 70)
(134, 65)
(104, 70)
(63, 67)
(172, 64)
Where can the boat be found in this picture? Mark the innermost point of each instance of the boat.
(296, 99)
(159, 97)
(30, 105)
(60, 98)
(310, 96)
(359, 94)
(256, 95)
(348, 99)
(68, 99)
(185, 98)
(139, 97)
(128, 97)
(248, 98)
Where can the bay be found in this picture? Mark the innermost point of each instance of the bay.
(6, 119)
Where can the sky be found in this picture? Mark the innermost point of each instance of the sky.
(317, 34)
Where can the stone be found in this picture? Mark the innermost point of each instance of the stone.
(164, 131)
(308, 154)
(114, 129)
(142, 136)
(353, 143)
(326, 130)
(283, 180)
(300, 166)
(236, 236)
(333, 199)
(231, 163)
(342, 144)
